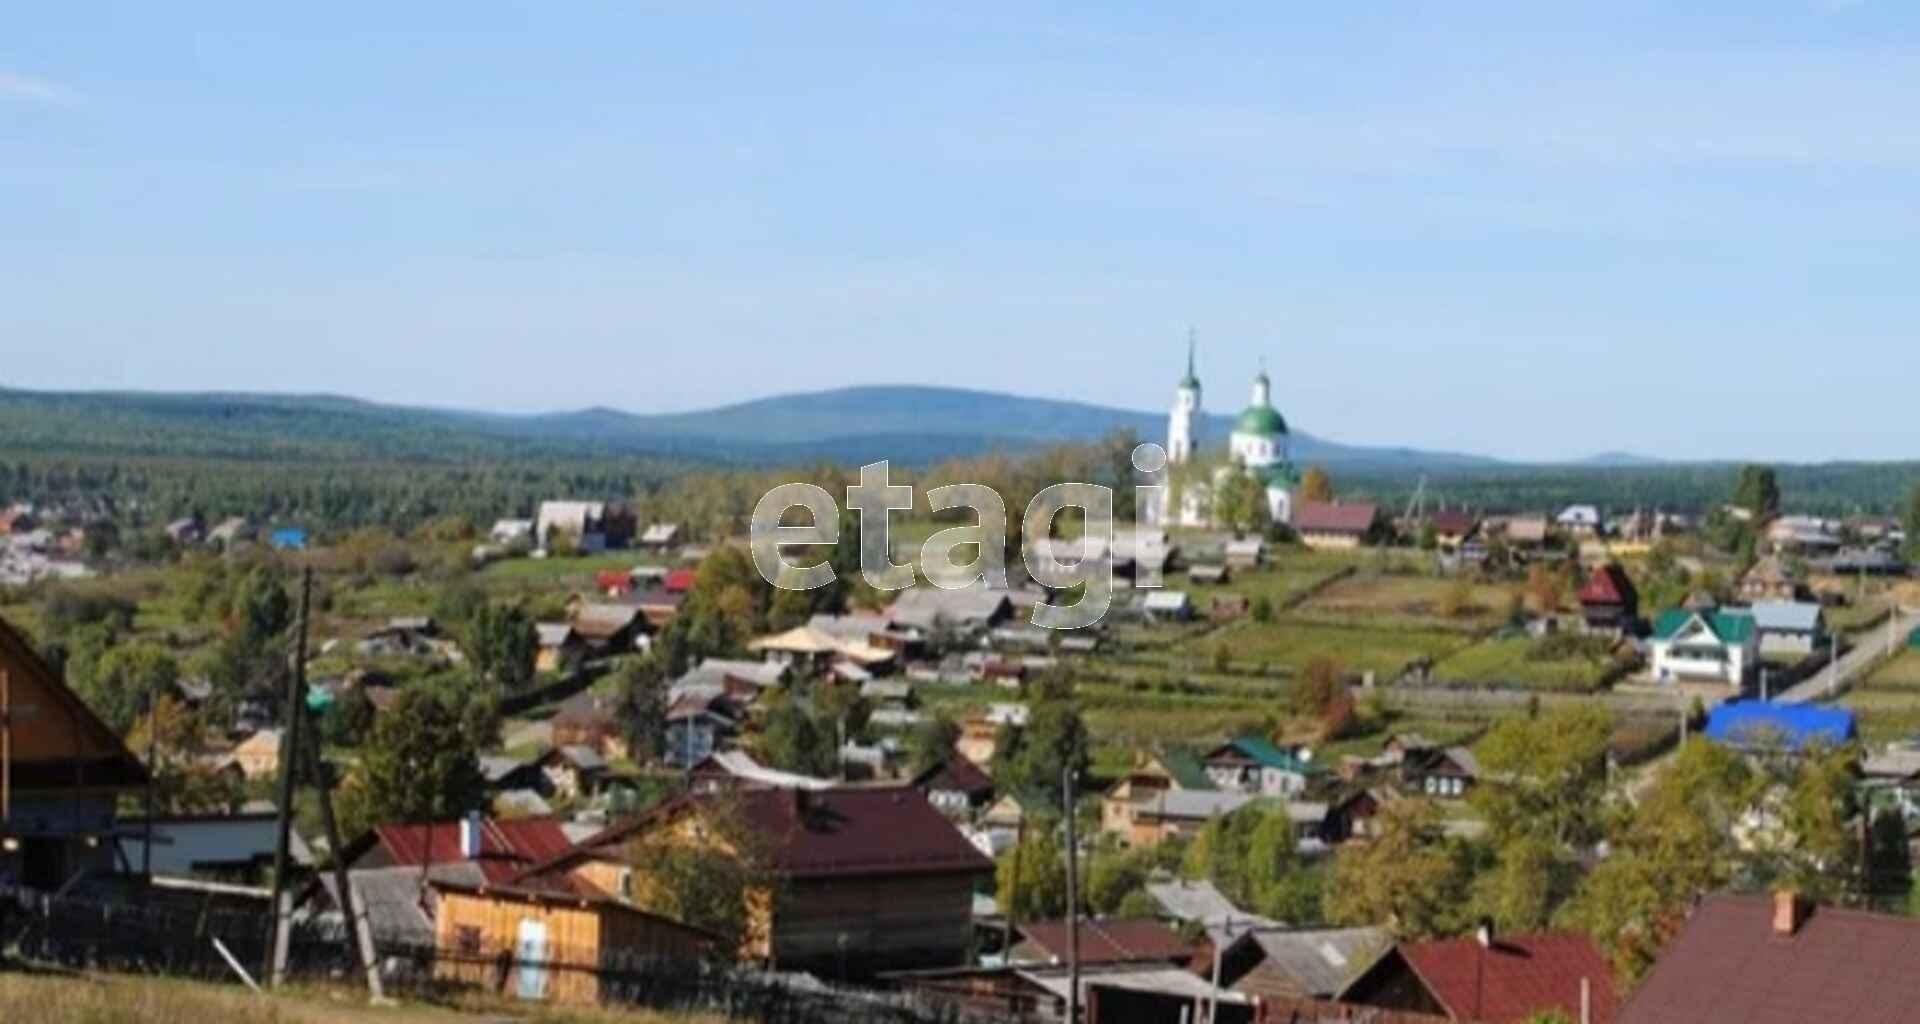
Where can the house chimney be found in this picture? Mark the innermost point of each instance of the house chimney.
(1485, 933)
(1789, 912)
(470, 836)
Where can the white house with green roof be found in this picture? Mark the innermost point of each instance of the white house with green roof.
(1711, 645)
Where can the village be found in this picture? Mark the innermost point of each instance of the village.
(1323, 760)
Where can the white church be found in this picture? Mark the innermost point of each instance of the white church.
(1258, 446)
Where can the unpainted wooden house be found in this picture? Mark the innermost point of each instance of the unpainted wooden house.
(61, 773)
(856, 880)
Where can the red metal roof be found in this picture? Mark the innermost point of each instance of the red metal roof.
(1453, 521)
(1517, 976)
(1728, 964)
(1335, 517)
(1113, 941)
(613, 579)
(1607, 585)
(678, 581)
(507, 848)
(957, 773)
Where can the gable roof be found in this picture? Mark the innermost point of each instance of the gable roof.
(82, 750)
(1184, 766)
(587, 708)
(1509, 980)
(1355, 517)
(1786, 616)
(599, 621)
(1729, 627)
(923, 605)
(1108, 941)
(830, 833)
(1194, 803)
(1754, 722)
(1453, 521)
(1608, 584)
(955, 774)
(506, 847)
(1318, 962)
(1262, 751)
(1728, 965)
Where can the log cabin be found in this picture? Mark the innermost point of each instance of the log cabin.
(844, 880)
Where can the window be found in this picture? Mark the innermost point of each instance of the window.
(466, 940)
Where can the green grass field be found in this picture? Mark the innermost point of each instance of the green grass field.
(1288, 644)
(1414, 601)
(1508, 661)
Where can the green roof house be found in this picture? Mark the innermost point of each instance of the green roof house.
(1705, 645)
(1253, 764)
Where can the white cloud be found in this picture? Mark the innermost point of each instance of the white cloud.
(14, 86)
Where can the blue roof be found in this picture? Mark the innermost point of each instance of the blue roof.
(1754, 723)
(289, 537)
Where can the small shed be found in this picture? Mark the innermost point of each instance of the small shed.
(549, 943)
(1168, 605)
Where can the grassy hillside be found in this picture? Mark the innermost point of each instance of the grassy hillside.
(128, 999)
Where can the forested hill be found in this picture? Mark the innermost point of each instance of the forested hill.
(343, 462)
(905, 423)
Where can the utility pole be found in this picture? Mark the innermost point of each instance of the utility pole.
(153, 748)
(1073, 898)
(296, 759)
(274, 968)
(1219, 946)
(1013, 892)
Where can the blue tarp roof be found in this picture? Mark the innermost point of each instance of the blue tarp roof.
(1753, 722)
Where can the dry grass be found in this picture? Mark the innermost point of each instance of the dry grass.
(1411, 601)
(128, 999)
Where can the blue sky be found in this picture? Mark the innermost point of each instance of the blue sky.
(1516, 228)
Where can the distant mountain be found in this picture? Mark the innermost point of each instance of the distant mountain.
(1620, 459)
(905, 423)
(917, 423)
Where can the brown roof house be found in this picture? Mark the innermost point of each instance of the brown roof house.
(1453, 527)
(1608, 601)
(1492, 979)
(1759, 959)
(1770, 580)
(61, 773)
(1336, 524)
(838, 882)
(593, 721)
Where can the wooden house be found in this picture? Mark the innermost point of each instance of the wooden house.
(61, 773)
(1151, 775)
(1335, 524)
(1453, 527)
(592, 721)
(559, 648)
(258, 756)
(1492, 979)
(855, 880)
(549, 943)
(979, 740)
(1608, 601)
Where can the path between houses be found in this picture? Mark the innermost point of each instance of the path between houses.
(1867, 653)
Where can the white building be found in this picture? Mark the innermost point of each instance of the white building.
(1705, 646)
(1259, 445)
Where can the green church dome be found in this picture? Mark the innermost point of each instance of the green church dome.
(1260, 421)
